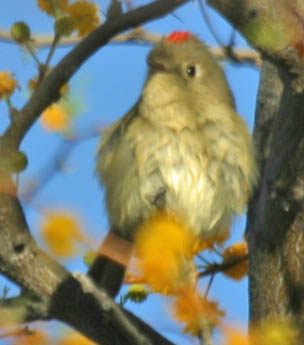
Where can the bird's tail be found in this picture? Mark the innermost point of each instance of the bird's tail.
(109, 268)
(108, 274)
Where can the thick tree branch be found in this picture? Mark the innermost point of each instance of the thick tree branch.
(109, 306)
(51, 292)
(274, 27)
(275, 225)
(80, 304)
(276, 212)
(19, 253)
(90, 312)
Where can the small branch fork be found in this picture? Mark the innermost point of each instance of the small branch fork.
(222, 267)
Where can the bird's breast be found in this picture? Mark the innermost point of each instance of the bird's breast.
(178, 162)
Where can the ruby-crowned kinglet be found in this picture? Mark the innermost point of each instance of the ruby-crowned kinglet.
(182, 148)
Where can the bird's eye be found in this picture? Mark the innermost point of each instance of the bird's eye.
(191, 70)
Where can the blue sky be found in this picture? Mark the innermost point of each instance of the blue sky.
(106, 87)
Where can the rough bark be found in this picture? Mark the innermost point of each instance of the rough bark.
(275, 221)
(275, 218)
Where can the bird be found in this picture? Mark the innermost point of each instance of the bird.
(182, 148)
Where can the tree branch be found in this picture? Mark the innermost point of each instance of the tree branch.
(92, 312)
(143, 37)
(222, 267)
(109, 306)
(51, 292)
(80, 304)
(276, 211)
(275, 223)
(48, 91)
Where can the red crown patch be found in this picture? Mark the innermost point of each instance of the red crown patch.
(179, 36)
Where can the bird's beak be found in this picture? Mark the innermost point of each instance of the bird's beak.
(156, 66)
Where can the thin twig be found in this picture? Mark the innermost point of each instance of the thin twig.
(30, 49)
(209, 23)
(222, 267)
(52, 50)
(205, 261)
(209, 284)
(246, 56)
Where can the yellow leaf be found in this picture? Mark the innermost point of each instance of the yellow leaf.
(52, 6)
(56, 118)
(85, 16)
(236, 337)
(275, 332)
(7, 84)
(164, 248)
(238, 251)
(196, 311)
(62, 231)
